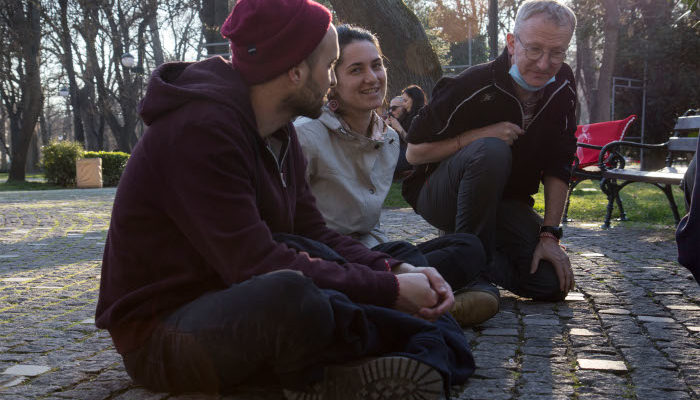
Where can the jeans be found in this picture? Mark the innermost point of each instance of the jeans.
(281, 329)
(458, 257)
(465, 194)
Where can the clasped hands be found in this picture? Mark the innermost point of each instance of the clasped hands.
(423, 292)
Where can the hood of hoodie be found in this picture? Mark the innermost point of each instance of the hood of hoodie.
(173, 85)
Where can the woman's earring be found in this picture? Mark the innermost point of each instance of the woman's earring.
(333, 105)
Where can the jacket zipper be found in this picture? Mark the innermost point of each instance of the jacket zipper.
(279, 164)
(522, 112)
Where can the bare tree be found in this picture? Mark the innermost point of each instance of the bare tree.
(20, 80)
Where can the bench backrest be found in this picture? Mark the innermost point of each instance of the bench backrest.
(688, 144)
(687, 124)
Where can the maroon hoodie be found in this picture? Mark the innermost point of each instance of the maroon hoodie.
(199, 201)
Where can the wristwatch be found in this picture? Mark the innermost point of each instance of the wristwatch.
(554, 230)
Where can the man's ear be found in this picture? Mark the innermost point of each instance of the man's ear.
(297, 74)
(510, 43)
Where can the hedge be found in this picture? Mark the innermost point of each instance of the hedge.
(113, 163)
(58, 162)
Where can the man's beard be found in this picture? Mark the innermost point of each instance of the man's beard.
(307, 102)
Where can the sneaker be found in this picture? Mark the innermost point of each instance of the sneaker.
(475, 304)
(390, 378)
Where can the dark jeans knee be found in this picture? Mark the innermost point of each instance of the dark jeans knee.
(543, 285)
(293, 299)
(459, 257)
(492, 155)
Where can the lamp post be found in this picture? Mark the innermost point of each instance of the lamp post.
(65, 93)
(129, 63)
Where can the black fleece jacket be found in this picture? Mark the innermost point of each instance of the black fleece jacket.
(484, 95)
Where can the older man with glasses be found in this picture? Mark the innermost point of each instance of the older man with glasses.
(489, 137)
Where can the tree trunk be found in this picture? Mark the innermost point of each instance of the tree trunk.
(155, 32)
(493, 29)
(27, 25)
(601, 106)
(410, 57)
(66, 44)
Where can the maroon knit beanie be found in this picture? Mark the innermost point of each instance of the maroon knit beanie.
(268, 37)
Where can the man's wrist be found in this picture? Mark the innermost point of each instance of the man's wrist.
(548, 235)
(555, 231)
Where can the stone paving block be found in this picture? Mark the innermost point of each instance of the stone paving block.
(581, 341)
(615, 311)
(544, 351)
(141, 394)
(648, 318)
(26, 370)
(500, 332)
(656, 378)
(684, 307)
(583, 332)
(492, 373)
(84, 392)
(574, 296)
(598, 350)
(560, 395)
(487, 389)
(601, 382)
(651, 394)
(601, 365)
(538, 320)
(7, 381)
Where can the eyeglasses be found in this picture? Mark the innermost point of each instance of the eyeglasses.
(535, 53)
(392, 108)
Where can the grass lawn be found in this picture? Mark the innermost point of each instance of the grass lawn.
(34, 182)
(642, 202)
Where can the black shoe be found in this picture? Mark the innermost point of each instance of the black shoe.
(390, 378)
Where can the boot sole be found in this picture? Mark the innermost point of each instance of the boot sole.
(390, 378)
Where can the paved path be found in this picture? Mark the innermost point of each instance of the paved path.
(630, 331)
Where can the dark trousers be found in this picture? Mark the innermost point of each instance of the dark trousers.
(689, 181)
(281, 329)
(458, 257)
(465, 194)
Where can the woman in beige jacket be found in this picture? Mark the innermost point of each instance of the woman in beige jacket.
(351, 154)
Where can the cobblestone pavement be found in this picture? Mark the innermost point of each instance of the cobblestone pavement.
(631, 330)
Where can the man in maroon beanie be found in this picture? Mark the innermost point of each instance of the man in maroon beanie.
(218, 269)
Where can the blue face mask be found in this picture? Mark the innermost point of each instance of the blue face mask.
(515, 74)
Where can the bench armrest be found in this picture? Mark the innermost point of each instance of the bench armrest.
(613, 148)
